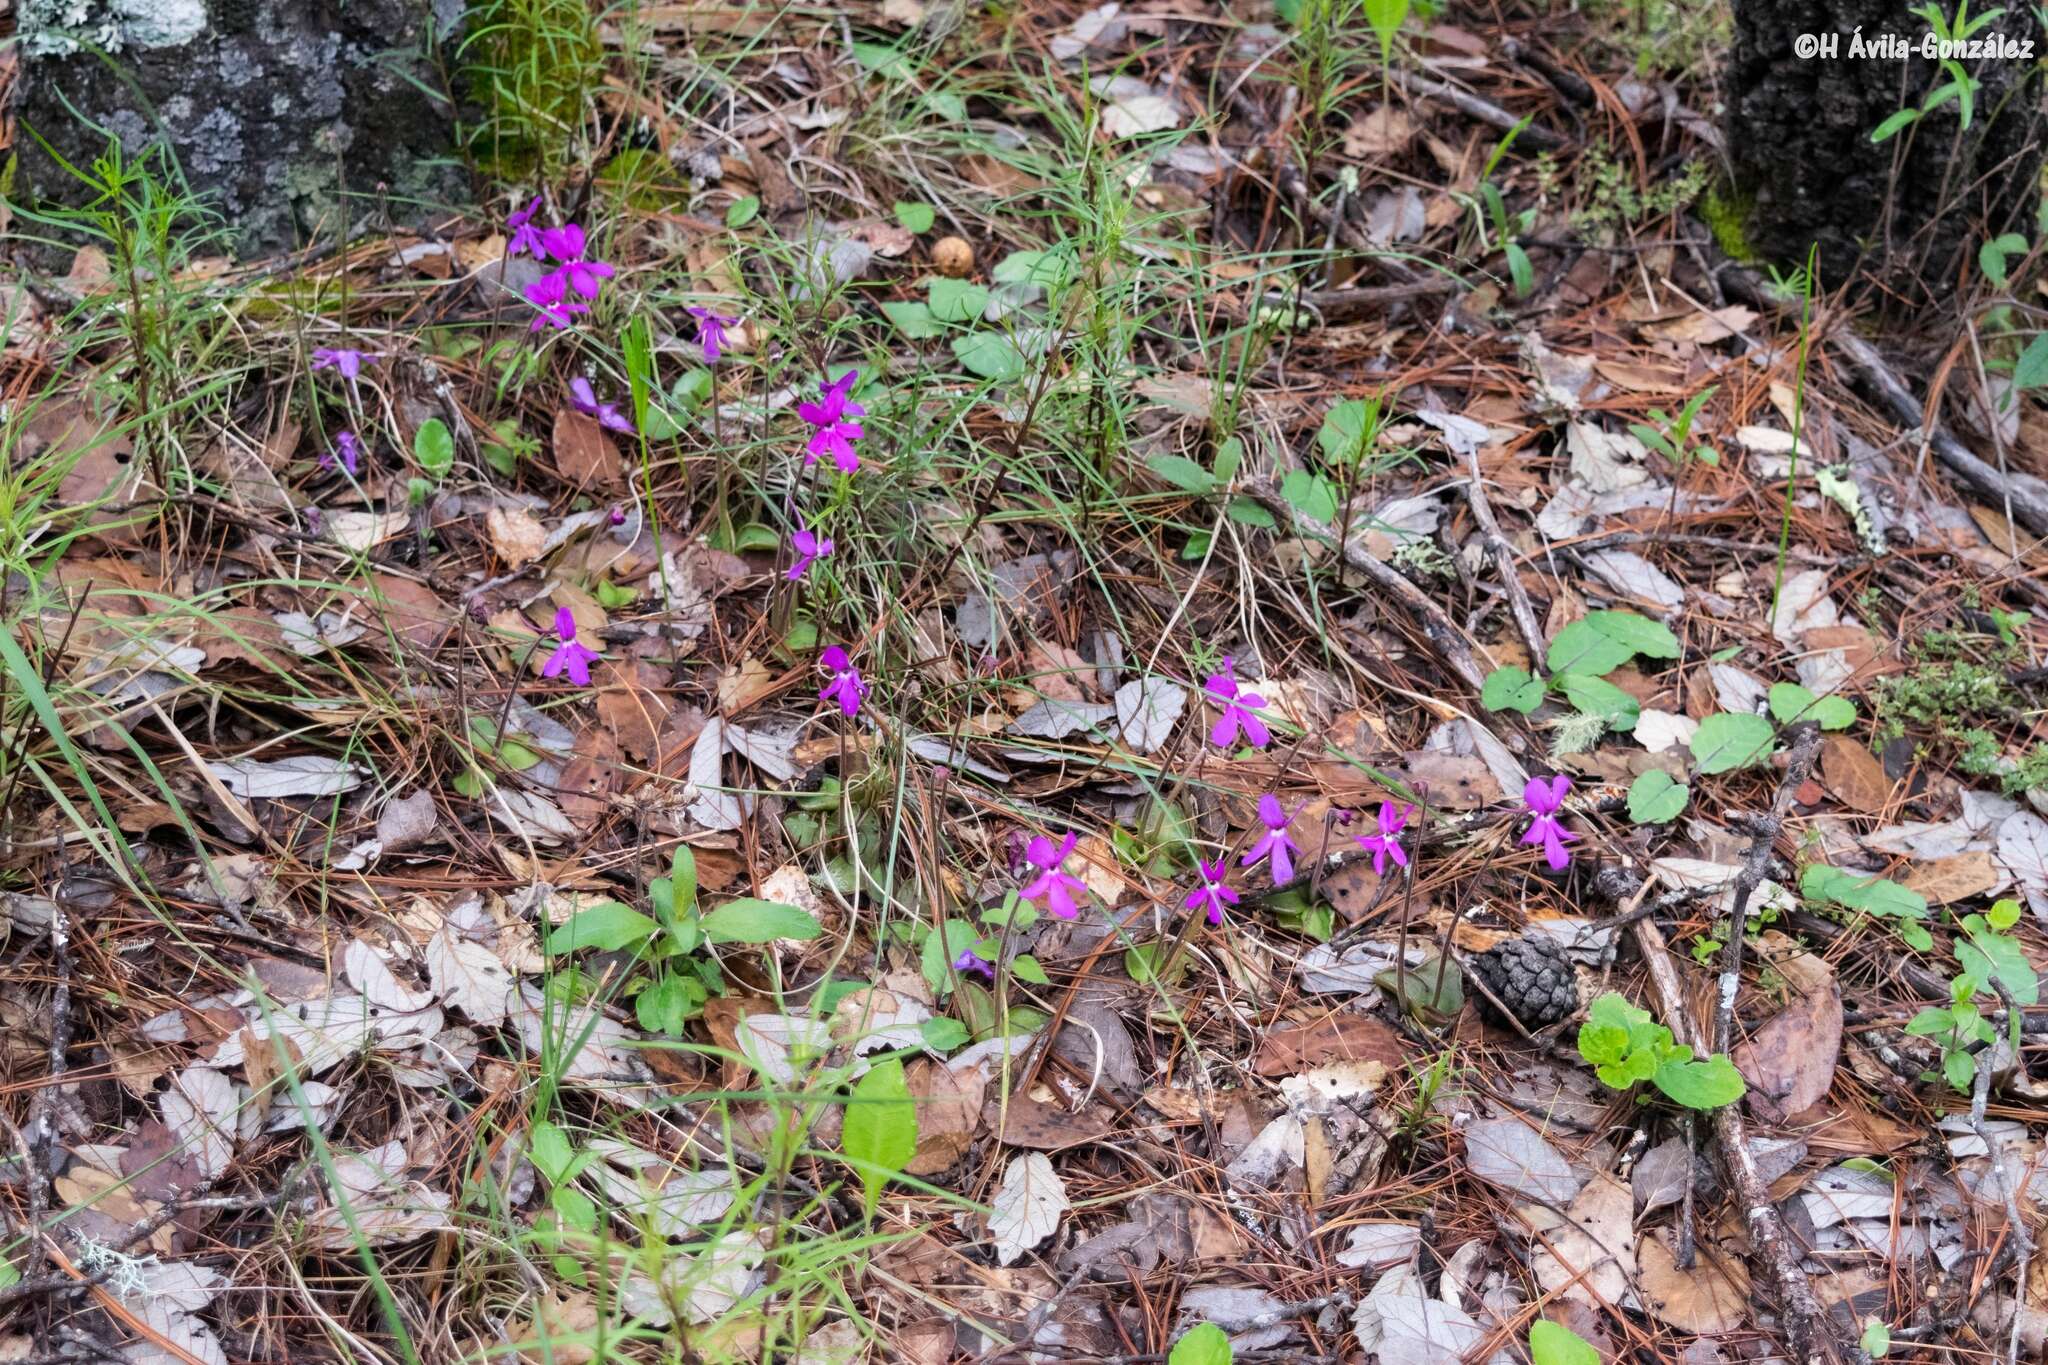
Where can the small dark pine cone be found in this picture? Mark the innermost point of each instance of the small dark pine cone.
(1532, 977)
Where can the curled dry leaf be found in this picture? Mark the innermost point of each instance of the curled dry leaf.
(1514, 1156)
(1026, 1207)
(948, 1109)
(1589, 1254)
(1790, 1061)
(1711, 1298)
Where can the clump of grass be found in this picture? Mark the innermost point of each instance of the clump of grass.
(534, 65)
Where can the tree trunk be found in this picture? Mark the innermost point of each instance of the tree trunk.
(294, 121)
(1908, 212)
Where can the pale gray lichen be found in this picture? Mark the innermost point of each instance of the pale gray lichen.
(55, 28)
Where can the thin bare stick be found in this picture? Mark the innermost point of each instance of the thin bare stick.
(1756, 861)
(1486, 111)
(1800, 1307)
(1504, 556)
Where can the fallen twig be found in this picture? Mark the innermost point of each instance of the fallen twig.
(1472, 106)
(1756, 861)
(1504, 557)
(2029, 507)
(1438, 626)
(1801, 1308)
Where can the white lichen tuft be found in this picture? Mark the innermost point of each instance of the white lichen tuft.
(58, 28)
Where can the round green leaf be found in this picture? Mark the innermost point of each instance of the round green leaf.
(434, 448)
(1654, 798)
(1550, 1344)
(1511, 689)
(1203, 1344)
(1726, 741)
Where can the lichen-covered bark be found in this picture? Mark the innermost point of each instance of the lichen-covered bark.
(1909, 211)
(293, 118)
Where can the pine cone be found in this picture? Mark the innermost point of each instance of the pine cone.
(1532, 977)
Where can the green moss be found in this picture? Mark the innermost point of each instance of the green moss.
(1954, 699)
(1726, 211)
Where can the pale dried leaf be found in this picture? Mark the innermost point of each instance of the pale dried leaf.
(1026, 1207)
(301, 775)
(1514, 1156)
(369, 973)
(469, 977)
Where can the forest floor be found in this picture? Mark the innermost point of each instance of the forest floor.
(1253, 712)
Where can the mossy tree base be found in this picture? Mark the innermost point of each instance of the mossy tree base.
(1907, 212)
(292, 121)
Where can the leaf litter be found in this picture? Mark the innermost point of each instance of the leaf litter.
(831, 1073)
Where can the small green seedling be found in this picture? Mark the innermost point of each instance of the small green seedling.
(1670, 434)
(1626, 1046)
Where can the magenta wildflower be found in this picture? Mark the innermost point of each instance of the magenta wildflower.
(834, 435)
(846, 688)
(711, 331)
(1239, 708)
(570, 656)
(1545, 800)
(1052, 885)
(343, 358)
(550, 294)
(525, 236)
(347, 452)
(971, 961)
(1212, 894)
(1274, 843)
(584, 399)
(1387, 843)
(565, 244)
(809, 546)
(616, 514)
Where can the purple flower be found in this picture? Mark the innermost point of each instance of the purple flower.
(565, 244)
(1545, 800)
(1239, 707)
(846, 688)
(834, 435)
(1387, 843)
(550, 295)
(809, 546)
(971, 961)
(1212, 894)
(343, 358)
(1274, 843)
(616, 515)
(348, 452)
(711, 331)
(569, 657)
(525, 236)
(584, 399)
(1052, 885)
